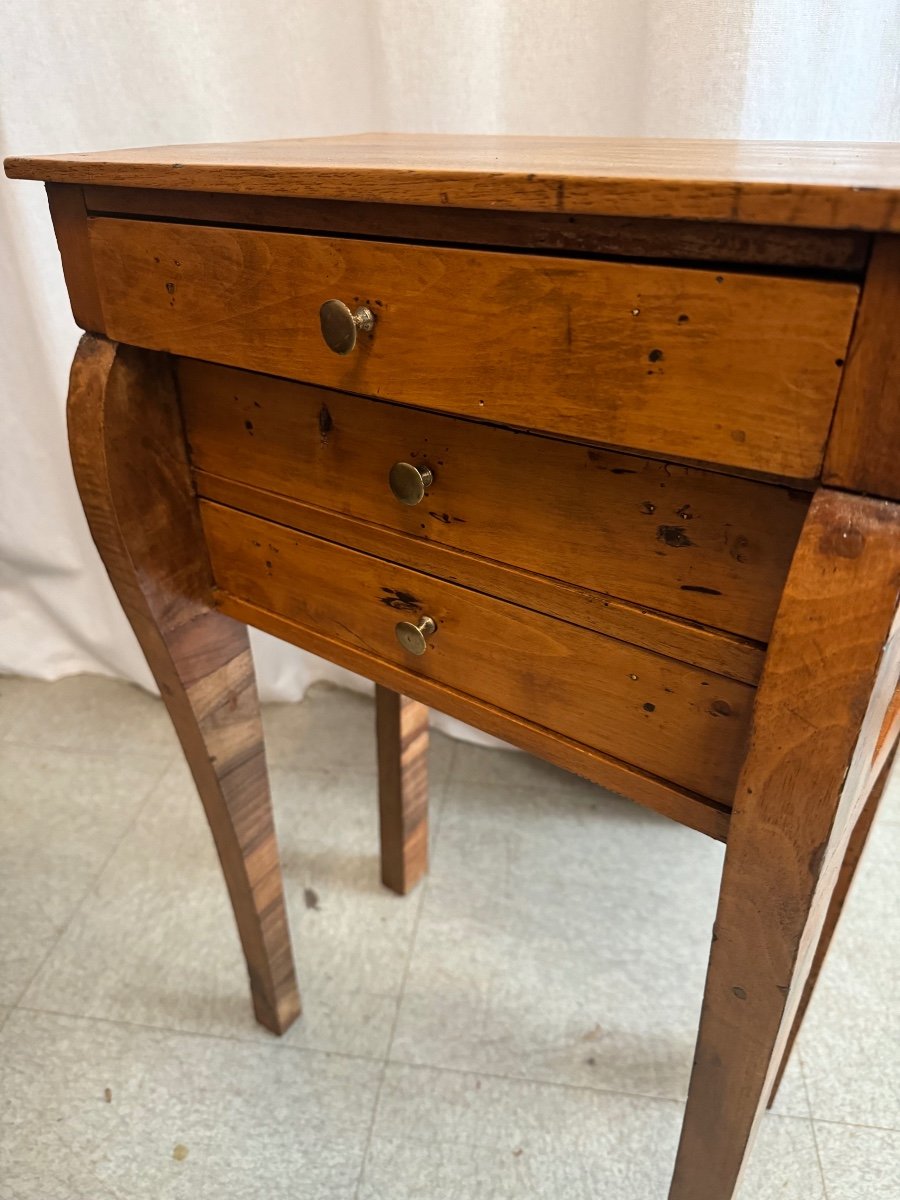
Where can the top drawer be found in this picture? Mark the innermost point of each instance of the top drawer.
(734, 369)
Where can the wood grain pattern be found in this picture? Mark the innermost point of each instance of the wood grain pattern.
(831, 250)
(723, 654)
(852, 857)
(864, 448)
(666, 717)
(683, 541)
(697, 812)
(829, 678)
(401, 727)
(70, 224)
(822, 185)
(130, 464)
(594, 350)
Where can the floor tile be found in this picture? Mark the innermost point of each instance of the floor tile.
(784, 1163)
(564, 936)
(859, 1164)
(334, 730)
(155, 943)
(854, 1015)
(511, 769)
(559, 953)
(61, 815)
(792, 1099)
(102, 1110)
(451, 1136)
(92, 714)
(441, 1135)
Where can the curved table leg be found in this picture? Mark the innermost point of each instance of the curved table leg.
(130, 463)
(830, 673)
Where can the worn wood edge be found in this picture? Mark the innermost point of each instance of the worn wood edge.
(863, 449)
(715, 651)
(70, 224)
(750, 202)
(887, 741)
(852, 856)
(697, 812)
(783, 246)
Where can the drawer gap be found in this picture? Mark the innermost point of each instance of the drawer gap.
(320, 523)
(642, 787)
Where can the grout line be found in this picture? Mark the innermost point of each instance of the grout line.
(550, 1083)
(169, 1031)
(94, 879)
(137, 756)
(281, 1044)
(812, 1123)
(364, 1159)
(423, 891)
(855, 1125)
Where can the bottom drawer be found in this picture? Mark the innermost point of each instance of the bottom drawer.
(669, 718)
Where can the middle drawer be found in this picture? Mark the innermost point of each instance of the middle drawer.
(684, 541)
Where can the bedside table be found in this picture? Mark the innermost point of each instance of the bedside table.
(592, 444)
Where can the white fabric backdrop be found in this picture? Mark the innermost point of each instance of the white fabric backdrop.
(136, 72)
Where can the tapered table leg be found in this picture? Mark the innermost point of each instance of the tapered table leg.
(402, 732)
(830, 673)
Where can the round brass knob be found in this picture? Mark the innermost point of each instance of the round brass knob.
(411, 636)
(340, 326)
(408, 482)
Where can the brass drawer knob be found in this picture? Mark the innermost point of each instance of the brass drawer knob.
(408, 482)
(411, 636)
(340, 326)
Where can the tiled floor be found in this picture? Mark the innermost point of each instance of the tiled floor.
(522, 1026)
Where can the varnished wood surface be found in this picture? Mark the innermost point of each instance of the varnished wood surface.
(623, 237)
(70, 224)
(665, 717)
(401, 727)
(130, 465)
(721, 653)
(817, 184)
(680, 540)
(829, 678)
(732, 368)
(864, 448)
(697, 812)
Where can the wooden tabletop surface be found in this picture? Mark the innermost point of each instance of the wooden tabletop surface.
(828, 185)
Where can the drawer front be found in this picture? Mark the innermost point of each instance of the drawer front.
(673, 720)
(677, 539)
(730, 368)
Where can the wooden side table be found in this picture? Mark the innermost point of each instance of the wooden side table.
(593, 444)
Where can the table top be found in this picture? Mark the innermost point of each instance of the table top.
(827, 185)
